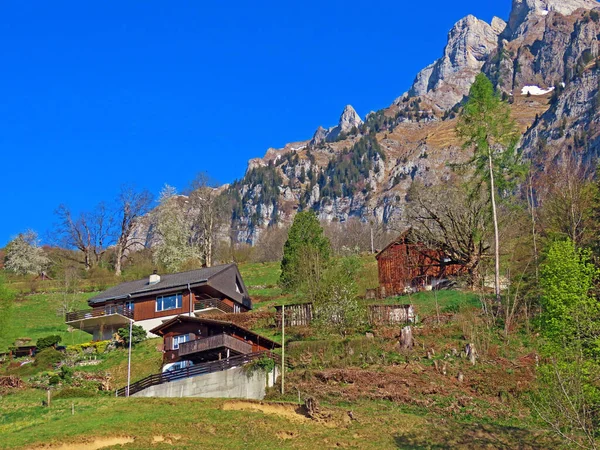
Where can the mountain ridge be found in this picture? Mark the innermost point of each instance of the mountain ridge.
(364, 168)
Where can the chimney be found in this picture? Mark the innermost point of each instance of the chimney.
(154, 278)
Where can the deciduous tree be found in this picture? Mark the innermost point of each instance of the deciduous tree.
(24, 255)
(305, 235)
(207, 212)
(89, 233)
(131, 206)
(454, 219)
(568, 392)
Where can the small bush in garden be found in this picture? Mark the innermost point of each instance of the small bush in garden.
(48, 341)
(138, 334)
(48, 357)
(66, 373)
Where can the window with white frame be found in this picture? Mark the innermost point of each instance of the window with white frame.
(180, 340)
(166, 302)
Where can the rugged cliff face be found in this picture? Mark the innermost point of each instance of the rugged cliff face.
(543, 60)
(445, 82)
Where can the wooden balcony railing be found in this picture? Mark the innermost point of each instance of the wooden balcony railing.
(212, 303)
(99, 312)
(214, 342)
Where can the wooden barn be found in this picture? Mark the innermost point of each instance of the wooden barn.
(407, 265)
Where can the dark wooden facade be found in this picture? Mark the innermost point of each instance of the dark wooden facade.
(407, 265)
(208, 339)
(223, 290)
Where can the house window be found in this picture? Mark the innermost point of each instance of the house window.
(236, 308)
(166, 302)
(238, 286)
(180, 340)
(129, 305)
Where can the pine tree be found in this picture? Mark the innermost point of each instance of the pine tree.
(486, 127)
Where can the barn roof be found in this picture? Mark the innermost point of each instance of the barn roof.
(402, 238)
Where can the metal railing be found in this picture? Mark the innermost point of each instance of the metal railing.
(199, 369)
(212, 303)
(213, 342)
(108, 310)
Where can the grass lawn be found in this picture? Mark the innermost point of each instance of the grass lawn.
(189, 423)
(35, 316)
(427, 302)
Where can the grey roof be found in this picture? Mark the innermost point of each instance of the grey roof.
(173, 280)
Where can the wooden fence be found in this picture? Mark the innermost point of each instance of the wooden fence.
(391, 314)
(302, 314)
(295, 315)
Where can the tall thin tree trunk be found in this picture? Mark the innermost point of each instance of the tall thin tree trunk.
(531, 202)
(118, 259)
(496, 234)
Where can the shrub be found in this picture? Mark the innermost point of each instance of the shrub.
(98, 346)
(66, 373)
(73, 392)
(48, 341)
(264, 364)
(138, 334)
(48, 357)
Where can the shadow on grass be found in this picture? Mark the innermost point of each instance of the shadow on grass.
(476, 436)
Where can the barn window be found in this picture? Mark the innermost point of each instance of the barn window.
(166, 302)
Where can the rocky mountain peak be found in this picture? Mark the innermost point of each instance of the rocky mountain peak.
(445, 82)
(319, 136)
(349, 119)
(524, 10)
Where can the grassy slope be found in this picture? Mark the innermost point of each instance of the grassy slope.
(430, 415)
(36, 316)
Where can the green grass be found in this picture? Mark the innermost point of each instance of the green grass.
(36, 316)
(427, 302)
(198, 423)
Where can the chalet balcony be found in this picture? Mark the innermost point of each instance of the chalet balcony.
(212, 304)
(215, 344)
(96, 320)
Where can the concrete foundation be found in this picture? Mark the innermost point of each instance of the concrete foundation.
(232, 383)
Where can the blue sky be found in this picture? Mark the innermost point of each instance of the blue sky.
(98, 94)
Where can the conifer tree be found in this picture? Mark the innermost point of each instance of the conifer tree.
(486, 127)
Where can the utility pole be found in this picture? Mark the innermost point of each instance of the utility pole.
(282, 349)
(372, 243)
(129, 356)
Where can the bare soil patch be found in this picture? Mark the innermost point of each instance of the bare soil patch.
(295, 413)
(95, 444)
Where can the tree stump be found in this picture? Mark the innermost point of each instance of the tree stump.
(406, 338)
(471, 353)
(312, 407)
